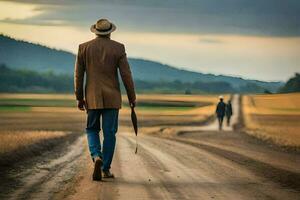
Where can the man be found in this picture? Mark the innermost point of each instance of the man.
(100, 60)
(228, 112)
(220, 111)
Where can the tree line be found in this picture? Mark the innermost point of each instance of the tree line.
(23, 80)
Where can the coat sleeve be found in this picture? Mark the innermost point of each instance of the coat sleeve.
(126, 76)
(79, 76)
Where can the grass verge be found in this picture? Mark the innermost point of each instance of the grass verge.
(18, 146)
(273, 118)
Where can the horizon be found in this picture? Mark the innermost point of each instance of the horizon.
(243, 44)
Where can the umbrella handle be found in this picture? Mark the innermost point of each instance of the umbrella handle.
(136, 145)
(136, 142)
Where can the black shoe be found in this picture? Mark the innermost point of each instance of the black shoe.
(108, 174)
(97, 176)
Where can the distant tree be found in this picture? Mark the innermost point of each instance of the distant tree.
(267, 91)
(251, 88)
(187, 92)
(24, 80)
(16, 80)
(214, 87)
(292, 85)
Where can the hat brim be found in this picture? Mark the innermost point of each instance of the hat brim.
(94, 30)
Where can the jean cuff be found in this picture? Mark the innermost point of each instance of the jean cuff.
(95, 156)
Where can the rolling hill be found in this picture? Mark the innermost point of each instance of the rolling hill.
(25, 55)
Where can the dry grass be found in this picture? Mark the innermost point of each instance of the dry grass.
(70, 119)
(21, 127)
(154, 117)
(274, 117)
(25, 128)
(48, 119)
(36, 96)
(13, 140)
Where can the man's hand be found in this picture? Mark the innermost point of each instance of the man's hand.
(81, 105)
(133, 104)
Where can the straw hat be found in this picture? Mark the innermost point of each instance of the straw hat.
(103, 27)
(221, 97)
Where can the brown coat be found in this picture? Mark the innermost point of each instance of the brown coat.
(100, 60)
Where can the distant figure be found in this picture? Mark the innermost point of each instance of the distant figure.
(99, 61)
(220, 111)
(228, 112)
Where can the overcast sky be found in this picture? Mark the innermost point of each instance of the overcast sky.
(250, 38)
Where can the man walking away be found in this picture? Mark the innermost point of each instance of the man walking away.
(220, 111)
(100, 60)
(228, 112)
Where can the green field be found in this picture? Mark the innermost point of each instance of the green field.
(11, 108)
(25, 104)
(37, 102)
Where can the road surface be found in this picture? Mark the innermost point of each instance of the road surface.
(200, 163)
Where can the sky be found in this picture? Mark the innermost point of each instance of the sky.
(256, 39)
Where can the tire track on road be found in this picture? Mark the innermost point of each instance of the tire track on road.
(284, 177)
(45, 179)
(222, 178)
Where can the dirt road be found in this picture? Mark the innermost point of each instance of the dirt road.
(200, 163)
(191, 169)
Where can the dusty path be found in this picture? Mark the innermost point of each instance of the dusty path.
(43, 177)
(200, 163)
(191, 169)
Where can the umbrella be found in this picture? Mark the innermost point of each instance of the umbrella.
(134, 123)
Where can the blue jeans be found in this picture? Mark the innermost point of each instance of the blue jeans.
(109, 127)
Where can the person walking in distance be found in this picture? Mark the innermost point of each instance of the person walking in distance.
(228, 112)
(220, 111)
(99, 60)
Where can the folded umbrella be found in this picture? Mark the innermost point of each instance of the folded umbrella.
(135, 126)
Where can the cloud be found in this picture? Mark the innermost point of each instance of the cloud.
(211, 41)
(33, 22)
(243, 17)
